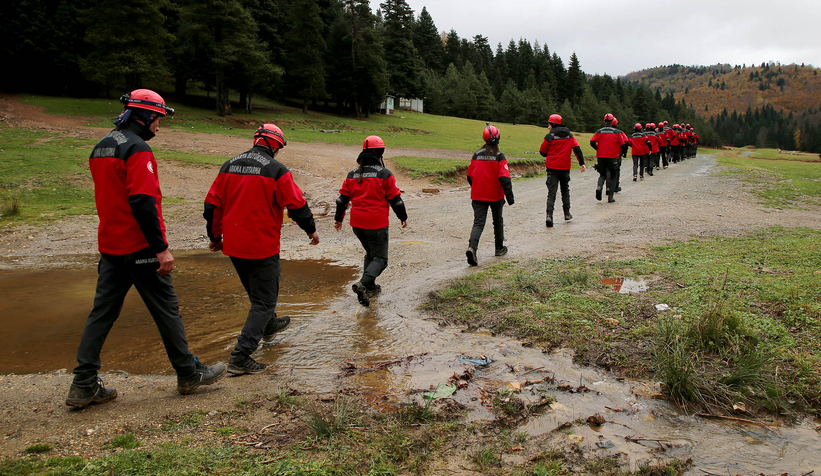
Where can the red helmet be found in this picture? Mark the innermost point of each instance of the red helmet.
(666, 123)
(637, 127)
(652, 125)
(491, 134)
(373, 142)
(146, 99)
(615, 121)
(688, 126)
(609, 117)
(554, 119)
(270, 131)
(649, 125)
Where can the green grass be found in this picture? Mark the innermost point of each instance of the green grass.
(779, 183)
(745, 315)
(39, 448)
(127, 441)
(404, 129)
(45, 175)
(427, 167)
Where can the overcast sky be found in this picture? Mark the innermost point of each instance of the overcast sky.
(621, 36)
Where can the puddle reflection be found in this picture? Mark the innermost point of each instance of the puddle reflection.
(625, 286)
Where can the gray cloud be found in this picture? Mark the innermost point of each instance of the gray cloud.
(618, 37)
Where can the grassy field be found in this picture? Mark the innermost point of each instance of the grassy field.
(745, 316)
(446, 168)
(404, 129)
(779, 183)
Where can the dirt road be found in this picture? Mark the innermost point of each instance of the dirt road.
(685, 201)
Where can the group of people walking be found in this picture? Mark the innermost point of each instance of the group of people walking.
(489, 174)
(243, 214)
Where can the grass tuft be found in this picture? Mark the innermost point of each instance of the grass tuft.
(128, 442)
(39, 448)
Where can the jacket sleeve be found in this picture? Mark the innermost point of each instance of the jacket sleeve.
(578, 151)
(544, 148)
(504, 180)
(288, 195)
(341, 206)
(394, 197)
(144, 197)
(213, 213)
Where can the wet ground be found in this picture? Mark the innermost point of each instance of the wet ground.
(330, 332)
(213, 304)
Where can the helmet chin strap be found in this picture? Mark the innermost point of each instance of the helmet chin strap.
(270, 149)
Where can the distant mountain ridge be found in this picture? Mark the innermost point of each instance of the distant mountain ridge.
(709, 89)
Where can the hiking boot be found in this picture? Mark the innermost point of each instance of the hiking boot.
(203, 375)
(244, 364)
(634, 178)
(376, 289)
(549, 221)
(618, 189)
(471, 254)
(501, 251)
(567, 215)
(598, 193)
(610, 199)
(362, 294)
(277, 324)
(83, 396)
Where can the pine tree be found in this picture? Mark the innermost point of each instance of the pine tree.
(403, 64)
(575, 79)
(428, 42)
(130, 43)
(304, 67)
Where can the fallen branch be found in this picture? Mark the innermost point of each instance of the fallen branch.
(381, 365)
(742, 420)
(272, 459)
(637, 439)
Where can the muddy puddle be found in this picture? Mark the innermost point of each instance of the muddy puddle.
(43, 313)
(625, 285)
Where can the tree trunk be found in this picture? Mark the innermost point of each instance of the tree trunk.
(243, 97)
(223, 98)
(180, 84)
(305, 105)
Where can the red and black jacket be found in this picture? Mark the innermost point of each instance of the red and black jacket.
(557, 147)
(370, 189)
(640, 144)
(244, 206)
(489, 177)
(655, 141)
(127, 192)
(609, 143)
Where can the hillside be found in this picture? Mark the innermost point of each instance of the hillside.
(709, 89)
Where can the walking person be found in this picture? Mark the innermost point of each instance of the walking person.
(489, 178)
(557, 147)
(664, 142)
(370, 189)
(609, 144)
(640, 146)
(133, 251)
(243, 219)
(655, 148)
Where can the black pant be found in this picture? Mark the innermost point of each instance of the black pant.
(609, 173)
(480, 217)
(116, 275)
(663, 152)
(556, 179)
(260, 278)
(640, 162)
(375, 243)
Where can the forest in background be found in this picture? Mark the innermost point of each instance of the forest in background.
(765, 105)
(344, 56)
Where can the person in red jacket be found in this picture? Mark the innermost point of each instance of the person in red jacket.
(370, 189)
(609, 144)
(675, 142)
(489, 179)
(640, 145)
(133, 251)
(243, 215)
(557, 147)
(655, 148)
